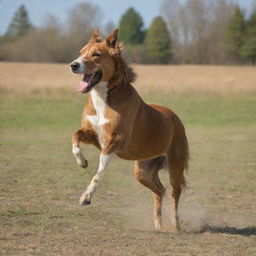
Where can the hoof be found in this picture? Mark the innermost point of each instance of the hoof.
(84, 164)
(85, 199)
(85, 202)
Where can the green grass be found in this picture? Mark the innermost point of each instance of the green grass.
(210, 110)
(19, 211)
(29, 113)
(40, 183)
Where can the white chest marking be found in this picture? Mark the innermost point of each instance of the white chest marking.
(99, 100)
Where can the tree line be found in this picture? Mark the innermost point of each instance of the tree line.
(187, 32)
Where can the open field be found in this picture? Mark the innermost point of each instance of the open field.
(220, 80)
(40, 183)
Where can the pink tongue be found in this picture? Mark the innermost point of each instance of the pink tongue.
(82, 86)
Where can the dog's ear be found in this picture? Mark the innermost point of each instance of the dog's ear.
(111, 39)
(95, 36)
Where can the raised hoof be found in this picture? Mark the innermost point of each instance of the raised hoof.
(84, 164)
(85, 199)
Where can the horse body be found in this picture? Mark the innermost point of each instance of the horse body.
(145, 132)
(117, 121)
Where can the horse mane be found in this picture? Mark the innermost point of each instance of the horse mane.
(124, 71)
(128, 71)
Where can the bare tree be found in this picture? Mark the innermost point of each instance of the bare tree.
(178, 25)
(52, 39)
(44, 44)
(108, 28)
(81, 20)
(50, 42)
(197, 28)
(189, 24)
(221, 12)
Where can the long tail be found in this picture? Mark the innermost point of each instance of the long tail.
(178, 156)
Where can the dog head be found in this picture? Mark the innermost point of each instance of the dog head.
(96, 60)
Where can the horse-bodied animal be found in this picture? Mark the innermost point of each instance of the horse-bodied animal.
(118, 122)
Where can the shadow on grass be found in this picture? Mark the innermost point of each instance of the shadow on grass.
(248, 231)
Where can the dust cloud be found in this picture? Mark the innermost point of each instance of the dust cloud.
(193, 217)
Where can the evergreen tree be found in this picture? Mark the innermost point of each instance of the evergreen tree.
(235, 35)
(20, 23)
(248, 50)
(158, 43)
(131, 27)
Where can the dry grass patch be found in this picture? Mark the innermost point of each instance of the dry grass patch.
(33, 77)
(207, 79)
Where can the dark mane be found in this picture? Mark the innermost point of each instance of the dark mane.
(128, 71)
(123, 71)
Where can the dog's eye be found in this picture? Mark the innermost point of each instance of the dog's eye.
(96, 54)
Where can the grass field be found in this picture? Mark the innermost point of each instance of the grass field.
(40, 182)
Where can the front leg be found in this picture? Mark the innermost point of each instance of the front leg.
(86, 137)
(86, 196)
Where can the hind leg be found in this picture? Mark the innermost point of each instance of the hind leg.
(147, 175)
(157, 212)
(174, 206)
(177, 180)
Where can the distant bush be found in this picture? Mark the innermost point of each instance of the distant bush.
(191, 32)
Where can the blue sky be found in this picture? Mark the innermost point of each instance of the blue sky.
(112, 9)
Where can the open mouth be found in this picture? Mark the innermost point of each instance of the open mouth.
(89, 81)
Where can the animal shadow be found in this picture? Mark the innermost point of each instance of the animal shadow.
(247, 231)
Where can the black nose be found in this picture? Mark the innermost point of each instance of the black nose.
(74, 66)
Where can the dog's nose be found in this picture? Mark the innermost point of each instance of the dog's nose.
(74, 66)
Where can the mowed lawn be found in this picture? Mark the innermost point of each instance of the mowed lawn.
(40, 182)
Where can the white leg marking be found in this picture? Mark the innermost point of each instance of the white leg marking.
(79, 156)
(86, 196)
(157, 215)
(157, 223)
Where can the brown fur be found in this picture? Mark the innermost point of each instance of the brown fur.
(152, 135)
